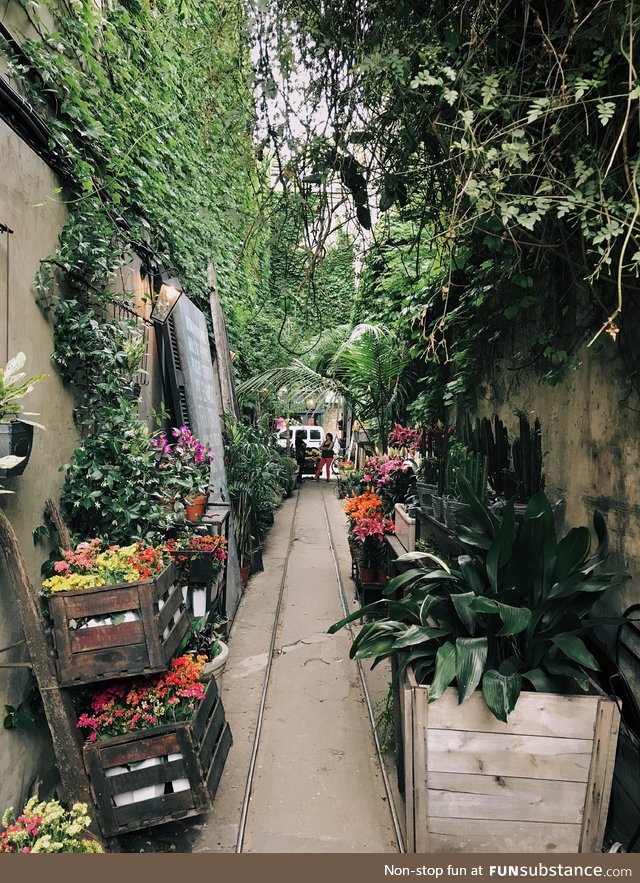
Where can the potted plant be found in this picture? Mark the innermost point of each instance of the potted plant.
(186, 463)
(368, 526)
(506, 624)
(199, 561)
(16, 432)
(204, 642)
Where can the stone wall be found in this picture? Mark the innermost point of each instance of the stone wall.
(591, 439)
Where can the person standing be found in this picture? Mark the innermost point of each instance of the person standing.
(326, 456)
(300, 450)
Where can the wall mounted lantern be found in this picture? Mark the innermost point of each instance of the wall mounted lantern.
(168, 290)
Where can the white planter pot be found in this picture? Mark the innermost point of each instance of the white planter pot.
(96, 621)
(149, 791)
(178, 784)
(126, 797)
(199, 601)
(217, 665)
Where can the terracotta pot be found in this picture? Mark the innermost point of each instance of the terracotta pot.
(367, 574)
(382, 577)
(244, 573)
(195, 506)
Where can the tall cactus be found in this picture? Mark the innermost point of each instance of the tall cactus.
(527, 459)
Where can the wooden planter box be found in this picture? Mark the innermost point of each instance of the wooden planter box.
(539, 783)
(86, 655)
(405, 528)
(203, 742)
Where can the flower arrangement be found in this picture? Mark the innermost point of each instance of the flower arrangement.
(184, 460)
(169, 697)
(47, 827)
(405, 437)
(90, 566)
(380, 469)
(215, 547)
(368, 527)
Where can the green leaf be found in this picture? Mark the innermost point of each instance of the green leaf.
(539, 680)
(566, 670)
(445, 670)
(501, 692)
(514, 619)
(572, 552)
(357, 614)
(471, 656)
(417, 634)
(502, 547)
(575, 649)
(465, 612)
(471, 574)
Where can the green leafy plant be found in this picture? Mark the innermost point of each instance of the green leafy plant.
(113, 487)
(257, 475)
(14, 385)
(512, 612)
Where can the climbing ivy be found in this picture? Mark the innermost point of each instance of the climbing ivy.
(150, 105)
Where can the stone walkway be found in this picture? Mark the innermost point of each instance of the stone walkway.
(317, 785)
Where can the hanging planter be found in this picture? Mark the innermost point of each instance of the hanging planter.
(16, 436)
(16, 440)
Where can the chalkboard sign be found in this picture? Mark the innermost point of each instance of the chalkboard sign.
(198, 386)
(189, 381)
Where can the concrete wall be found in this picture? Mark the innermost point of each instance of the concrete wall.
(591, 436)
(30, 206)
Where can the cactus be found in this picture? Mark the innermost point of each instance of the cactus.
(527, 459)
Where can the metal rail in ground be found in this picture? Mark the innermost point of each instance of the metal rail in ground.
(258, 732)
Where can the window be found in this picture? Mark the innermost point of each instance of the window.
(315, 435)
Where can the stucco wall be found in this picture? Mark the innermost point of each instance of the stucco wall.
(30, 206)
(591, 438)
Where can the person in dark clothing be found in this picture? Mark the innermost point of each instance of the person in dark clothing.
(299, 452)
(326, 456)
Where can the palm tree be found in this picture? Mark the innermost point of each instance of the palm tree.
(368, 369)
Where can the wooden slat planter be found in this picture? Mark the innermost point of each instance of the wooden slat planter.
(539, 783)
(204, 745)
(405, 528)
(86, 655)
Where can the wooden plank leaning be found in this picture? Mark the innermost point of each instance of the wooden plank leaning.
(58, 707)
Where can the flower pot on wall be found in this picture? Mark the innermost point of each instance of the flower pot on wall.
(16, 440)
(244, 573)
(195, 506)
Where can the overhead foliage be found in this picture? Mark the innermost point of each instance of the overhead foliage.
(370, 368)
(504, 135)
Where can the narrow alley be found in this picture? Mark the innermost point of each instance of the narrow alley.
(318, 786)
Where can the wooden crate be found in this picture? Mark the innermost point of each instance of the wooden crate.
(86, 655)
(539, 783)
(204, 745)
